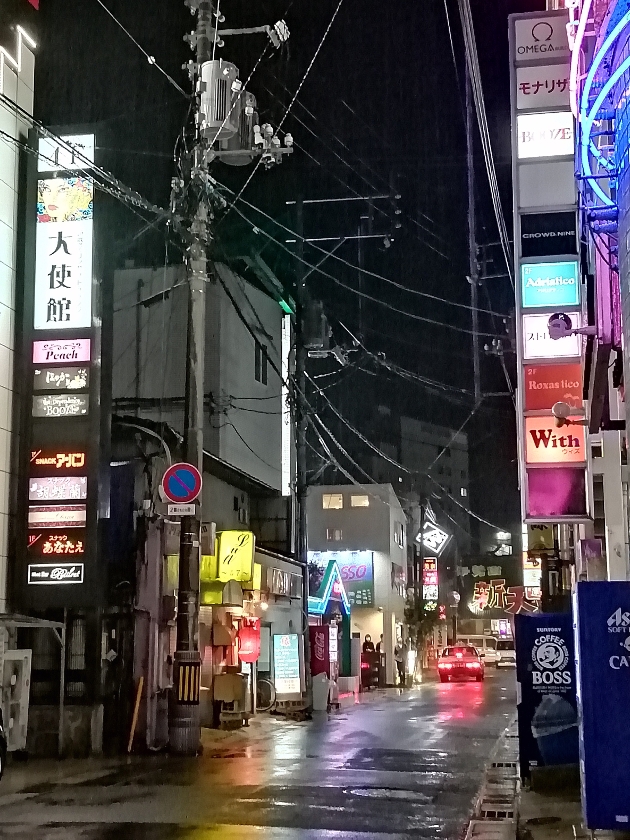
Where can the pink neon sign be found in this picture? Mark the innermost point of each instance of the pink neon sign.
(68, 350)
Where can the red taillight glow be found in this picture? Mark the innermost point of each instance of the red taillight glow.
(365, 666)
(444, 665)
(473, 665)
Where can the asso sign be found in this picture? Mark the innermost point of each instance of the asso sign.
(550, 284)
(542, 87)
(548, 134)
(547, 444)
(546, 385)
(537, 343)
(538, 38)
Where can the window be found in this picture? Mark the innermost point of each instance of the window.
(359, 501)
(464, 491)
(399, 534)
(332, 501)
(596, 450)
(334, 534)
(260, 363)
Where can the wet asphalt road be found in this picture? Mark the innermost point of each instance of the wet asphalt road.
(404, 766)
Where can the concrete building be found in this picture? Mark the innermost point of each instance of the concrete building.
(17, 67)
(364, 529)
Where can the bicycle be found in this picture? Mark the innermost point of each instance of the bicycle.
(265, 695)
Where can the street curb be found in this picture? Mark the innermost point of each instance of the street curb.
(495, 810)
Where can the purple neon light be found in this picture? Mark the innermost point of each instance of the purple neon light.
(556, 492)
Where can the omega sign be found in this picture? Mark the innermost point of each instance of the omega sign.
(547, 444)
(538, 38)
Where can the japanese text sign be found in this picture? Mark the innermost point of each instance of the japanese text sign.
(63, 254)
(542, 87)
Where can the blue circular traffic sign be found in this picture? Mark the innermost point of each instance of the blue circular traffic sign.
(181, 483)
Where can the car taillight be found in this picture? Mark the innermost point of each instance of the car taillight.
(473, 665)
(365, 666)
(444, 665)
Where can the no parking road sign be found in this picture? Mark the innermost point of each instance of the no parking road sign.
(181, 483)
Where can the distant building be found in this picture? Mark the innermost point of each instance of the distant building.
(364, 529)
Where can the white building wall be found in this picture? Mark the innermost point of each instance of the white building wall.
(16, 83)
(243, 417)
(609, 467)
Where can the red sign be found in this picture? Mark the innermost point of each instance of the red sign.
(52, 459)
(34, 3)
(549, 384)
(57, 543)
(249, 640)
(320, 654)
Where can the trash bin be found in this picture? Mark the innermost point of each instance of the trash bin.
(320, 693)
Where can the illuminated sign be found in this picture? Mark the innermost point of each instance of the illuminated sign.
(61, 350)
(542, 87)
(41, 458)
(57, 488)
(55, 573)
(546, 385)
(433, 537)
(538, 345)
(556, 493)
(286, 407)
(545, 443)
(539, 538)
(57, 516)
(63, 254)
(75, 152)
(430, 593)
(235, 553)
(356, 569)
(531, 577)
(60, 405)
(66, 378)
(56, 543)
(550, 284)
(548, 134)
(538, 38)
(286, 664)
(547, 234)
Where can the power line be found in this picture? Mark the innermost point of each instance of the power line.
(149, 58)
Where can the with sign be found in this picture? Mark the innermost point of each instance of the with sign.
(545, 443)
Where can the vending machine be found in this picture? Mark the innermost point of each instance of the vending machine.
(324, 650)
(602, 633)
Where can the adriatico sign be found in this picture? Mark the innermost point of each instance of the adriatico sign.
(551, 284)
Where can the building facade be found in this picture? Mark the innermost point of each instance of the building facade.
(364, 529)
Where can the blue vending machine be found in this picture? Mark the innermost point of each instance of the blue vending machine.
(602, 634)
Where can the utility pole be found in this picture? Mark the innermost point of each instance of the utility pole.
(301, 546)
(184, 718)
(473, 276)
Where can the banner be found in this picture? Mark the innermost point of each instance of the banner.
(547, 707)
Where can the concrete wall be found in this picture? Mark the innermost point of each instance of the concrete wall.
(243, 416)
(609, 467)
(17, 85)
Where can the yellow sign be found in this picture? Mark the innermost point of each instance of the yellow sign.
(540, 537)
(235, 555)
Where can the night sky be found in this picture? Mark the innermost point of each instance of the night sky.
(380, 110)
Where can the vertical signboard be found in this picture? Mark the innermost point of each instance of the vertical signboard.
(552, 461)
(57, 531)
(602, 611)
(287, 670)
(547, 707)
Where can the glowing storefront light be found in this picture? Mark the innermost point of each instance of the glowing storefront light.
(547, 134)
(551, 284)
(547, 444)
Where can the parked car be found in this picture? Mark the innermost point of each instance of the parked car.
(506, 655)
(3, 746)
(461, 662)
(486, 645)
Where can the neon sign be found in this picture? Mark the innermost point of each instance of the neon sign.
(57, 488)
(57, 460)
(57, 516)
(61, 350)
(61, 405)
(545, 443)
(56, 543)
